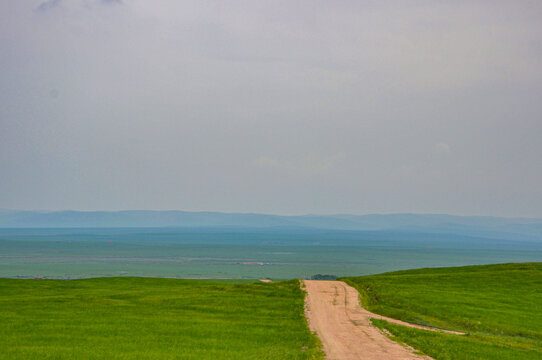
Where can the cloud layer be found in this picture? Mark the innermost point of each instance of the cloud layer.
(281, 107)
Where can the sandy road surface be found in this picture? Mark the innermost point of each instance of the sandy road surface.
(344, 327)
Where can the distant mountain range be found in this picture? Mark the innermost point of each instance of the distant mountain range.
(480, 226)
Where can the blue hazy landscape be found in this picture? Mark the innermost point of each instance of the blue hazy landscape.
(74, 244)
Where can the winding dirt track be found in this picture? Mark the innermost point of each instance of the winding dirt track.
(344, 327)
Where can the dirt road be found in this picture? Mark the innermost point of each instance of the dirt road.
(344, 327)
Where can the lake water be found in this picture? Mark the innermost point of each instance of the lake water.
(241, 252)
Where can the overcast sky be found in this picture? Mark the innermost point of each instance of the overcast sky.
(285, 107)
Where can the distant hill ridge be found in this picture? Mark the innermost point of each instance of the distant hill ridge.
(495, 227)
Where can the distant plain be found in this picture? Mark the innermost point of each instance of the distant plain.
(239, 252)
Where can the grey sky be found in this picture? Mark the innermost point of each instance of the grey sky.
(272, 106)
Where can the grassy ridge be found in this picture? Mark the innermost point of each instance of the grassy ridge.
(149, 318)
(500, 306)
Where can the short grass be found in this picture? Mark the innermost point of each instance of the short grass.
(150, 318)
(498, 306)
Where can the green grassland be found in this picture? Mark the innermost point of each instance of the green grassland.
(150, 318)
(498, 306)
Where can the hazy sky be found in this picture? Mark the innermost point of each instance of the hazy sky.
(282, 107)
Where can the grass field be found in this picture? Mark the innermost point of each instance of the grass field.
(498, 306)
(150, 318)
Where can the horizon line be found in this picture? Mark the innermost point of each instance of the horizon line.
(271, 214)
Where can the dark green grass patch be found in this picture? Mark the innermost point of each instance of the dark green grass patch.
(149, 318)
(499, 306)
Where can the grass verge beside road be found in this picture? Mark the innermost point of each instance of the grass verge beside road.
(498, 306)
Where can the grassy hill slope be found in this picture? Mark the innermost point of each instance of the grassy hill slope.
(499, 306)
(150, 318)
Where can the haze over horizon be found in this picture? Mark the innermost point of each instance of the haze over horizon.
(265, 213)
(310, 107)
